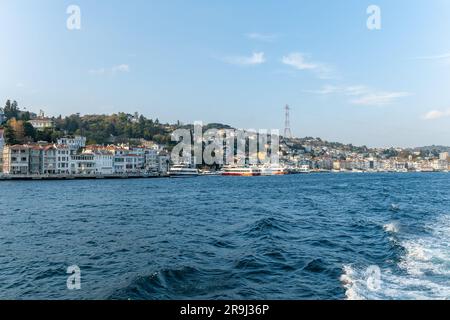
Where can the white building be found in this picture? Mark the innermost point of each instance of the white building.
(62, 159)
(151, 161)
(82, 164)
(104, 162)
(42, 123)
(439, 165)
(74, 143)
(128, 160)
(49, 163)
(16, 159)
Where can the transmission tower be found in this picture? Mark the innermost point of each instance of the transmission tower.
(287, 124)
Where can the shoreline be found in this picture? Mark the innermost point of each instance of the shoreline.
(149, 176)
(77, 177)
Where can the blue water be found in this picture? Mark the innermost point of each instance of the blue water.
(290, 237)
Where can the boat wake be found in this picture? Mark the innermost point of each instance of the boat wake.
(422, 272)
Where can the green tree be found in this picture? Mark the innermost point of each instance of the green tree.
(11, 110)
(10, 137)
(29, 131)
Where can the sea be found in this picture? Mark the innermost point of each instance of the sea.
(324, 236)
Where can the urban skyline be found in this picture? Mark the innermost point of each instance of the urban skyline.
(40, 114)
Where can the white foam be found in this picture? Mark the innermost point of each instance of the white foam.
(348, 280)
(424, 269)
(391, 227)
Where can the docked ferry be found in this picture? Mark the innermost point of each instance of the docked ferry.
(241, 171)
(182, 171)
(273, 171)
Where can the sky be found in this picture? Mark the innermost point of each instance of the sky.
(238, 63)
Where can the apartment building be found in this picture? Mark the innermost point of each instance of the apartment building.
(16, 159)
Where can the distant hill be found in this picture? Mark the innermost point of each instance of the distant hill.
(432, 149)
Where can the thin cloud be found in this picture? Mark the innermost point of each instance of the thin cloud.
(255, 59)
(99, 71)
(356, 90)
(435, 57)
(300, 61)
(379, 98)
(362, 95)
(443, 58)
(121, 68)
(437, 114)
(263, 37)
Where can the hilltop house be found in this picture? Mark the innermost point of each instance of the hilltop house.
(41, 122)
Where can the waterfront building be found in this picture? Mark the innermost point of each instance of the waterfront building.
(103, 157)
(2, 117)
(35, 160)
(151, 161)
(138, 154)
(120, 156)
(82, 164)
(440, 164)
(128, 160)
(2, 144)
(104, 162)
(49, 159)
(16, 159)
(62, 159)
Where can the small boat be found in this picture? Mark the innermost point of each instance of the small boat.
(182, 171)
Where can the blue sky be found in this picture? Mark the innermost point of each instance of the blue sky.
(239, 62)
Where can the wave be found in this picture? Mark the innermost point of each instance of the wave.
(422, 272)
(178, 283)
(266, 226)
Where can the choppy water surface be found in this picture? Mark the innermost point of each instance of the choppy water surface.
(291, 237)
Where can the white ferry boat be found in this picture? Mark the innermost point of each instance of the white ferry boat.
(182, 171)
(241, 171)
(304, 169)
(273, 171)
